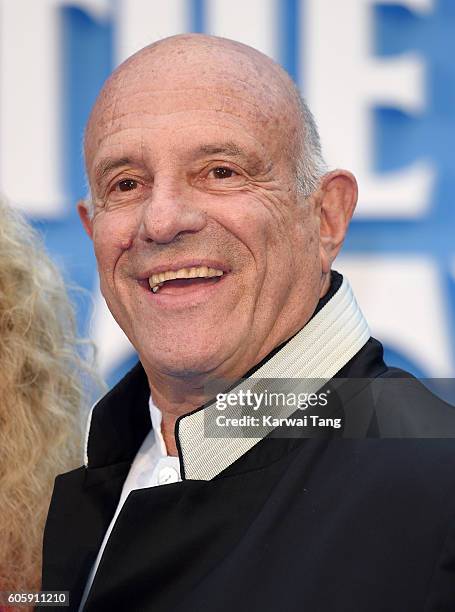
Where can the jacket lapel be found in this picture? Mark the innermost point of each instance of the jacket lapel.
(82, 507)
(84, 500)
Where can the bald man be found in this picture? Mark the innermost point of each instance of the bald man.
(215, 226)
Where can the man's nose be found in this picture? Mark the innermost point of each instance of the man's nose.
(168, 213)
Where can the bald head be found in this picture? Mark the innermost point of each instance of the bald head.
(248, 81)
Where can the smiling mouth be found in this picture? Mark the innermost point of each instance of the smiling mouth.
(174, 281)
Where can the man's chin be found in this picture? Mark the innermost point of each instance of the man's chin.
(180, 362)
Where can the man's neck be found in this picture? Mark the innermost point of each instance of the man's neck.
(176, 396)
(174, 401)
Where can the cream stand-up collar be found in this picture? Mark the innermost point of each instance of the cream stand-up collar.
(314, 355)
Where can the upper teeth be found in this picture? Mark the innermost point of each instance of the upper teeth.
(156, 280)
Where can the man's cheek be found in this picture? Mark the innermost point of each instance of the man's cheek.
(108, 247)
(106, 268)
(103, 257)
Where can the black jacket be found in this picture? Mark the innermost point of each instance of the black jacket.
(310, 525)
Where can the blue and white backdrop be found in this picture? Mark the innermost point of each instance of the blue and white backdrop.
(380, 79)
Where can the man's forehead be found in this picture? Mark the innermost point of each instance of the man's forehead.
(192, 73)
(135, 107)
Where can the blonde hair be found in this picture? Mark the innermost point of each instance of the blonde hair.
(40, 396)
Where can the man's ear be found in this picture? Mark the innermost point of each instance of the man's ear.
(338, 197)
(85, 217)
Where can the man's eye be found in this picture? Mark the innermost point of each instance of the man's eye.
(127, 185)
(222, 172)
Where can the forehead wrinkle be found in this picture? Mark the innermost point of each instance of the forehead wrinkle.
(115, 130)
(225, 103)
(218, 146)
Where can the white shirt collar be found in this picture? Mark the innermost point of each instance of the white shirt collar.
(156, 417)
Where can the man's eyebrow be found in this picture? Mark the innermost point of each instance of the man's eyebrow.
(107, 165)
(227, 148)
(254, 161)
